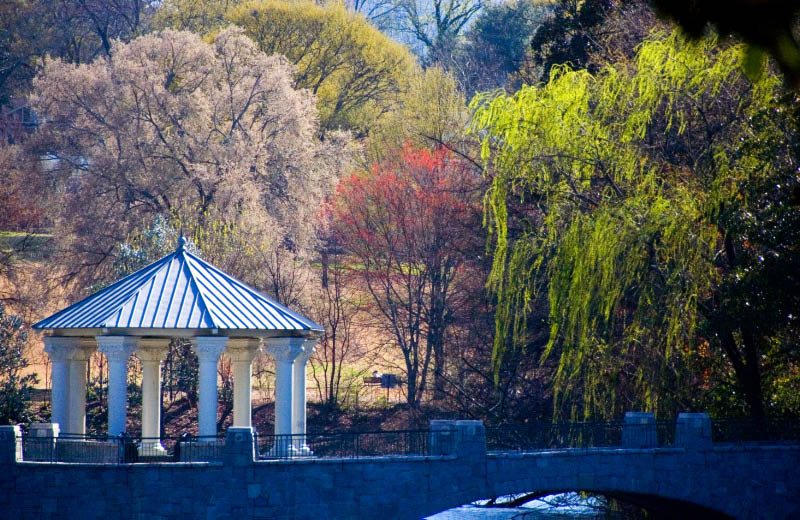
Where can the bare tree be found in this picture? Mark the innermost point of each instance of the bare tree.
(285, 275)
(114, 19)
(336, 307)
(76, 31)
(383, 14)
(436, 24)
(404, 225)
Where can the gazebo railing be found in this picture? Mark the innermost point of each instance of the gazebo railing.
(123, 449)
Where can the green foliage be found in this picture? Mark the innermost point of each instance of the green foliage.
(432, 110)
(507, 29)
(198, 16)
(15, 387)
(96, 407)
(607, 204)
(354, 70)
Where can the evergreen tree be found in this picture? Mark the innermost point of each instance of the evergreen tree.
(15, 386)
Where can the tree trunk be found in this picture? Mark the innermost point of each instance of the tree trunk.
(438, 372)
(747, 372)
(752, 383)
(436, 334)
(332, 382)
(324, 257)
(746, 367)
(411, 395)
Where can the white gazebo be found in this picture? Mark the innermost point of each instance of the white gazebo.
(179, 296)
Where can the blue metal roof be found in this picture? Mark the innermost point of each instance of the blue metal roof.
(180, 291)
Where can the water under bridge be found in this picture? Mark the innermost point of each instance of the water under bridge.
(688, 466)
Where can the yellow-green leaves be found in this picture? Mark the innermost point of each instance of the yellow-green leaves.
(431, 110)
(198, 16)
(354, 70)
(611, 183)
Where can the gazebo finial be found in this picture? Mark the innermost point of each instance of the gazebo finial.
(181, 242)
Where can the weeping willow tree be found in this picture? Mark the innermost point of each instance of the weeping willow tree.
(611, 203)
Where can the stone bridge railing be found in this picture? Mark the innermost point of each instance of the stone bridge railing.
(638, 430)
(742, 480)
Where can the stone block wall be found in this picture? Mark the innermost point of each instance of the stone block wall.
(745, 481)
(238, 487)
(739, 481)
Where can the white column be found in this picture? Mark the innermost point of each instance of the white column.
(60, 349)
(284, 351)
(242, 351)
(118, 350)
(208, 349)
(77, 385)
(299, 395)
(152, 352)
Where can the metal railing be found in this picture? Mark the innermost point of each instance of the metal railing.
(544, 436)
(553, 436)
(772, 430)
(123, 449)
(356, 444)
(665, 431)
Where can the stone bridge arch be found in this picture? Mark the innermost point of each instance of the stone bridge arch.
(663, 480)
(693, 476)
(723, 482)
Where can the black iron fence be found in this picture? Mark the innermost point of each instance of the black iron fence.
(547, 436)
(552, 436)
(771, 430)
(665, 432)
(122, 449)
(125, 449)
(356, 444)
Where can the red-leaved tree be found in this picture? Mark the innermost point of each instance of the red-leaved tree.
(406, 224)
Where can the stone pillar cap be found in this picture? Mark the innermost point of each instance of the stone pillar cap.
(639, 418)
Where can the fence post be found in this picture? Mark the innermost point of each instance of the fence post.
(10, 445)
(120, 440)
(41, 448)
(46, 430)
(693, 431)
(639, 430)
(471, 441)
(239, 447)
(465, 439)
(442, 437)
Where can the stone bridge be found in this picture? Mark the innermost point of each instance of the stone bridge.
(691, 476)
